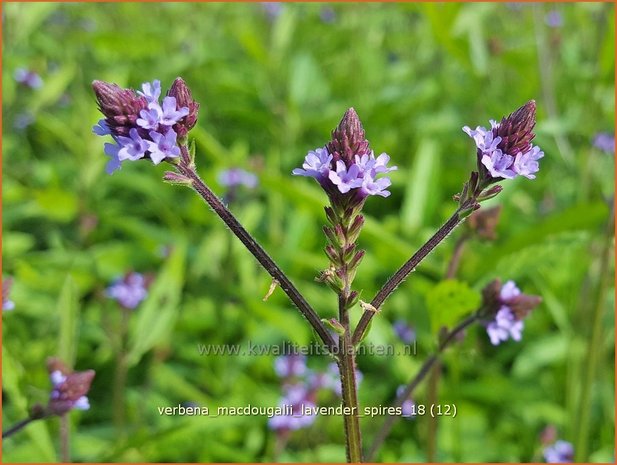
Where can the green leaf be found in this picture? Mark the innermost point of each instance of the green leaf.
(448, 301)
(156, 316)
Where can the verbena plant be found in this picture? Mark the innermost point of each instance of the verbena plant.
(143, 126)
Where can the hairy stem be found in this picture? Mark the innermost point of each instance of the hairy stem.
(258, 252)
(424, 370)
(65, 437)
(404, 271)
(347, 365)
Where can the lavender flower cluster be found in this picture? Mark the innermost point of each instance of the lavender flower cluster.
(359, 174)
(300, 389)
(129, 290)
(142, 126)
(69, 388)
(500, 160)
(507, 324)
(58, 381)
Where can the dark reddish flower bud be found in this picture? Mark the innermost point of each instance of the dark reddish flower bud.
(121, 107)
(516, 130)
(523, 304)
(484, 222)
(348, 139)
(69, 388)
(184, 98)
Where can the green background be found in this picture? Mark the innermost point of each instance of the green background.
(272, 88)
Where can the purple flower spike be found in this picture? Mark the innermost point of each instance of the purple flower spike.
(133, 147)
(164, 146)
(346, 178)
(237, 177)
(151, 91)
(560, 452)
(505, 151)
(129, 291)
(69, 388)
(316, 164)
(170, 115)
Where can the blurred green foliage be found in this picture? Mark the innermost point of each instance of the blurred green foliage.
(272, 87)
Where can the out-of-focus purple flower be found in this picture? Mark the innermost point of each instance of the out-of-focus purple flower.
(404, 332)
(69, 388)
(332, 379)
(288, 366)
(129, 291)
(7, 303)
(272, 9)
(234, 177)
(28, 78)
(327, 14)
(505, 150)
(299, 398)
(408, 404)
(553, 19)
(560, 452)
(508, 306)
(605, 142)
(23, 120)
(504, 326)
(163, 146)
(139, 125)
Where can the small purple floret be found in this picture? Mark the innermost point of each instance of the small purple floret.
(133, 147)
(345, 178)
(170, 115)
(101, 128)
(163, 146)
(316, 164)
(111, 150)
(151, 91)
(526, 164)
(560, 452)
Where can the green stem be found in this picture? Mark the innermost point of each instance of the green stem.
(404, 271)
(188, 171)
(595, 343)
(347, 365)
(120, 374)
(424, 370)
